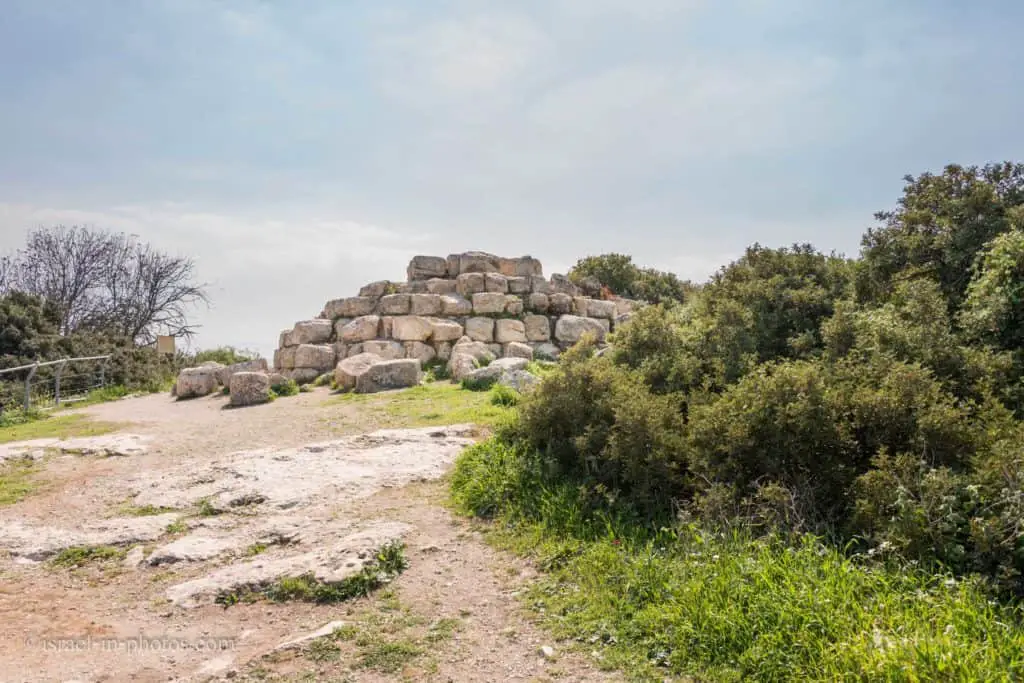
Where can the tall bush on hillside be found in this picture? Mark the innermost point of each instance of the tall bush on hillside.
(621, 276)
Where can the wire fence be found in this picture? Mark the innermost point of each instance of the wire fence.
(53, 383)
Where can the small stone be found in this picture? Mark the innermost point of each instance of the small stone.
(547, 652)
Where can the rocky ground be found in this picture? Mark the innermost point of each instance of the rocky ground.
(143, 555)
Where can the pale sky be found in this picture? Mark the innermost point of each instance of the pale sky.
(298, 150)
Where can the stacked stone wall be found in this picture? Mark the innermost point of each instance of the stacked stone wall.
(505, 303)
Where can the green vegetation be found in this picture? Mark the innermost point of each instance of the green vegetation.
(287, 388)
(617, 274)
(426, 405)
(389, 562)
(504, 396)
(204, 508)
(225, 355)
(436, 371)
(808, 445)
(143, 510)
(176, 527)
(17, 480)
(45, 426)
(81, 555)
(478, 383)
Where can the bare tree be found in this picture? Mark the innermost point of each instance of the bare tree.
(6, 274)
(108, 281)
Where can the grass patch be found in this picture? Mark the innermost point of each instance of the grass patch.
(52, 426)
(81, 555)
(17, 480)
(177, 527)
(424, 406)
(504, 396)
(256, 549)
(389, 563)
(205, 508)
(287, 388)
(724, 606)
(478, 383)
(143, 510)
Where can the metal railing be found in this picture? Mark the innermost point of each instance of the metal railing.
(59, 381)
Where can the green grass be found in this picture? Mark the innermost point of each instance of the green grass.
(287, 388)
(256, 549)
(504, 396)
(54, 426)
(17, 480)
(177, 527)
(204, 508)
(426, 405)
(143, 510)
(389, 563)
(726, 607)
(81, 555)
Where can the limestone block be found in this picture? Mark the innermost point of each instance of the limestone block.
(312, 332)
(559, 304)
(495, 282)
(195, 382)
(601, 309)
(375, 290)
(285, 359)
(389, 374)
(513, 304)
(249, 388)
(352, 307)
(440, 286)
(444, 350)
(517, 350)
(359, 330)
(538, 328)
(411, 328)
(445, 330)
(488, 303)
(480, 329)
(506, 331)
(455, 305)
(523, 266)
(539, 285)
(425, 304)
(256, 365)
(579, 305)
(479, 262)
(538, 302)
(394, 304)
(562, 284)
(386, 349)
(315, 356)
(570, 328)
(518, 285)
(424, 353)
(348, 371)
(469, 284)
(546, 351)
(285, 340)
(426, 267)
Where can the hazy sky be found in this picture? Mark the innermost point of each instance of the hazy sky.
(300, 149)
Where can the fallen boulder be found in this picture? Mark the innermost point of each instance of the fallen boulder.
(249, 388)
(389, 374)
(196, 382)
(349, 370)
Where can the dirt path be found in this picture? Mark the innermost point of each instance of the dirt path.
(221, 499)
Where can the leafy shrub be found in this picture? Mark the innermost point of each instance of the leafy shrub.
(225, 355)
(618, 274)
(287, 388)
(478, 383)
(502, 395)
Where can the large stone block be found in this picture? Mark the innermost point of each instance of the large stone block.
(195, 382)
(488, 303)
(285, 340)
(466, 356)
(538, 302)
(359, 330)
(559, 304)
(424, 353)
(513, 305)
(444, 350)
(570, 328)
(249, 388)
(426, 267)
(445, 330)
(579, 305)
(352, 307)
(479, 262)
(387, 323)
(469, 284)
(386, 349)
(441, 286)
(601, 309)
(517, 350)
(348, 371)
(375, 290)
(624, 306)
(285, 359)
(389, 374)
(425, 304)
(506, 331)
(353, 350)
(563, 285)
(394, 304)
(315, 356)
(312, 332)
(518, 285)
(411, 328)
(480, 329)
(303, 375)
(546, 351)
(538, 328)
(455, 305)
(524, 266)
(256, 365)
(539, 285)
(495, 282)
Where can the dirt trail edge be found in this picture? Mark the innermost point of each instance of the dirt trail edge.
(193, 546)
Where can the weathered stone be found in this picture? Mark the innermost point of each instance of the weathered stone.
(424, 353)
(312, 332)
(539, 285)
(303, 375)
(520, 380)
(495, 282)
(387, 350)
(495, 371)
(348, 371)
(389, 374)
(624, 306)
(466, 356)
(353, 350)
(394, 304)
(570, 328)
(249, 388)
(559, 303)
(523, 266)
(440, 286)
(285, 358)
(340, 350)
(590, 286)
(426, 267)
(316, 356)
(426, 304)
(195, 382)
(444, 350)
(562, 284)
(513, 304)
(411, 328)
(538, 302)
(285, 340)
(496, 349)
(538, 328)
(480, 329)
(453, 265)
(488, 302)
(387, 324)
(601, 309)
(517, 350)
(255, 365)
(479, 262)
(518, 285)
(506, 331)
(375, 290)
(455, 305)
(546, 351)
(445, 330)
(359, 330)
(579, 305)
(469, 284)
(276, 379)
(352, 307)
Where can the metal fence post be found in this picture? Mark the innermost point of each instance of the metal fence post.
(28, 387)
(56, 384)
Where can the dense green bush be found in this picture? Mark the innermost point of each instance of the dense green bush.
(621, 276)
